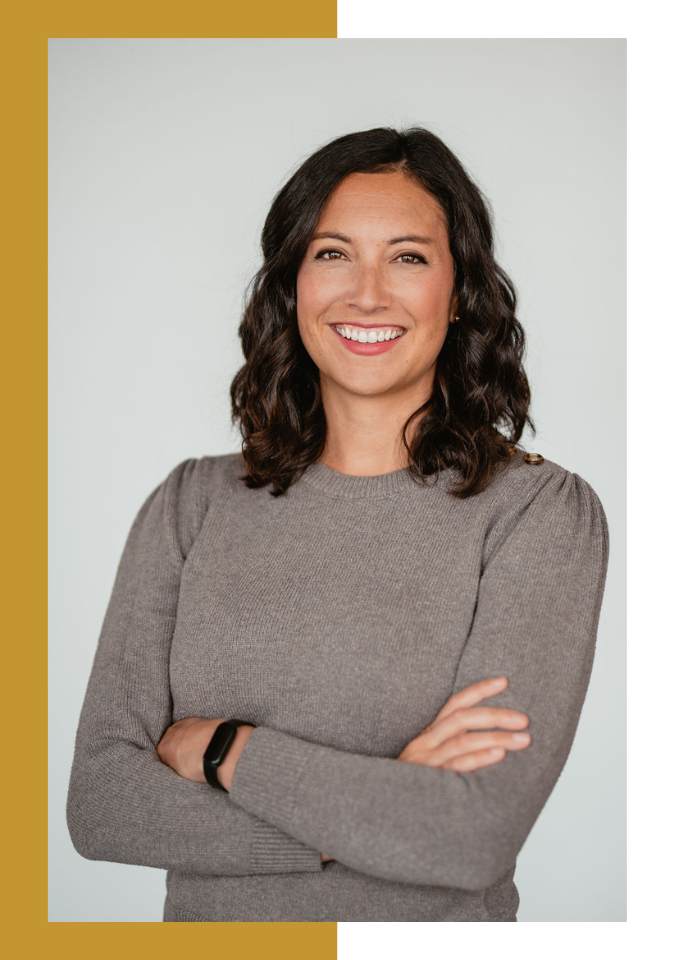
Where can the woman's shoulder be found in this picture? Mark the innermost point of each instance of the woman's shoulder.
(207, 473)
(214, 471)
(530, 475)
(190, 489)
(544, 496)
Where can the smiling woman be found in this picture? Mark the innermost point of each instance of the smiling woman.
(411, 563)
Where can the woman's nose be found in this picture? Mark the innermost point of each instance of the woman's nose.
(369, 292)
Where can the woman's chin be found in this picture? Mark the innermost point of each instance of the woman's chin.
(369, 386)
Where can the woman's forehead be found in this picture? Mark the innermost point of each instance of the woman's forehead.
(388, 196)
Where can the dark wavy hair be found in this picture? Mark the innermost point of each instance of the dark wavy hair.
(480, 399)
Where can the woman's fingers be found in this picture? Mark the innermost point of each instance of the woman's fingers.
(470, 743)
(424, 750)
(472, 695)
(474, 761)
(474, 718)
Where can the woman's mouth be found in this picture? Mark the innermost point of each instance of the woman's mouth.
(369, 334)
(368, 340)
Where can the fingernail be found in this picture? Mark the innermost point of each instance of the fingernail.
(498, 681)
(496, 752)
(518, 717)
(521, 737)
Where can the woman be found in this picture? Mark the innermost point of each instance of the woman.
(383, 591)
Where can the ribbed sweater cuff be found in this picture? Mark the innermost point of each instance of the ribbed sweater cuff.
(268, 774)
(274, 852)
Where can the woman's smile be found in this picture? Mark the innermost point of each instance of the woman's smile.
(368, 340)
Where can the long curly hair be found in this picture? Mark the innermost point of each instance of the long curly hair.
(480, 400)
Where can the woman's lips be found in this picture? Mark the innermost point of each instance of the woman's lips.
(367, 349)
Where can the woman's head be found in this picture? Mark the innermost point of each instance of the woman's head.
(362, 189)
(378, 265)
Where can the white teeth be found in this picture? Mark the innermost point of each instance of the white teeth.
(370, 336)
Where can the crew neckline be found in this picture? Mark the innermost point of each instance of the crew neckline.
(349, 487)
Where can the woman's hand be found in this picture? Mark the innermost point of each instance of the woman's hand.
(184, 744)
(447, 742)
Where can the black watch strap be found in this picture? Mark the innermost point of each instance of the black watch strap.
(221, 741)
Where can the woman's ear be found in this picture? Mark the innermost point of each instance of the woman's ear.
(452, 316)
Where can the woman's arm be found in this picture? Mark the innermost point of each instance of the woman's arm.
(535, 623)
(463, 737)
(124, 804)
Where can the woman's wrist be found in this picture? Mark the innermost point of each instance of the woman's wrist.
(229, 764)
(185, 742)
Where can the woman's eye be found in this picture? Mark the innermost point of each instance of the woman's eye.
(328, 255)
(411, 258)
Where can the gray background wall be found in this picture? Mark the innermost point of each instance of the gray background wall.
(164, 157)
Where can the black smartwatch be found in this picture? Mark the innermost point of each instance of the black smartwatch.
(221, 741)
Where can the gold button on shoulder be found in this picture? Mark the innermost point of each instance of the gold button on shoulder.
(533, 458)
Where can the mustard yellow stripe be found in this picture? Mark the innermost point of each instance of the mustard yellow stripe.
(171, 18)
(243, 941)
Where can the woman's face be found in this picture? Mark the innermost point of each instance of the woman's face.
(378, 269)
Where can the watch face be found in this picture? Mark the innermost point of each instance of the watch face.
(220, 742)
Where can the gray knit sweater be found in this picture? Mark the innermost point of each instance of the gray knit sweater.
(338, 618)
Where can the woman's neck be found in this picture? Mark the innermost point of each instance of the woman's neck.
(363, 436)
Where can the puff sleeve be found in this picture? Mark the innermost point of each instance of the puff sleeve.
(124, 805)
(535, 621)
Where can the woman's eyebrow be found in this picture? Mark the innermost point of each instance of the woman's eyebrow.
(327, 235)
(412, 238)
